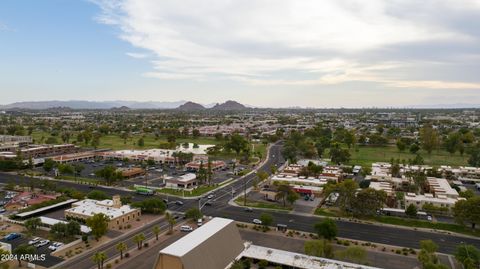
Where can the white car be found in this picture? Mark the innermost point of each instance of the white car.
(186, 228)
(34, 241)
(54, 246)
(257, 221)
(42, 243)
(210, 196)
(429, 218)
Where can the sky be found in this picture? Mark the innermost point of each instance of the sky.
(266, 53)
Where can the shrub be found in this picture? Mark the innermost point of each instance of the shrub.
(127, 255)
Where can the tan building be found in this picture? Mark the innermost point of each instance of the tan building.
(214, 246)
(118, 214)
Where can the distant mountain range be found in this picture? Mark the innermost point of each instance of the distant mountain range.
(81, 104)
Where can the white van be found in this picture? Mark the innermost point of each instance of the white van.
(199, 222)
(186, 228)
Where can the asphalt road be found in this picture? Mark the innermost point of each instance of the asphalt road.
(220, 208)
(85, 261)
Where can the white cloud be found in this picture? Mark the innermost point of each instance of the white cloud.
(271, 42)
(137, 55)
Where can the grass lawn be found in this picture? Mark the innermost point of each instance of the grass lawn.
(257, 204)
(82, 180)
(113, 141)
(366, 155)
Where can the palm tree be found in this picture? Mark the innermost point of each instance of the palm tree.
(282, 193)
(139, 239)
(121, 247)
(156, 231)
(99, 258)
(171, 221)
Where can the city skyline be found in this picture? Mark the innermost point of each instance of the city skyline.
(308, 54)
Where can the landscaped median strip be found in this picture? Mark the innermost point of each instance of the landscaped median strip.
(415, 224)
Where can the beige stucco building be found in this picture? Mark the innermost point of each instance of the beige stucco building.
(119, 215)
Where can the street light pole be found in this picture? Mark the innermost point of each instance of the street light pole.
(245, 191)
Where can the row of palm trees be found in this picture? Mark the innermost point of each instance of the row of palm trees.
(99, 258)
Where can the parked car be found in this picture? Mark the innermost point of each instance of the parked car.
(12, 236)
(208, 203)
(54, 246)
(2, 210)
(178, 202)
(248, 209)
(429, 218)
(42, 243)
(199, 222)
(186, 228)
(210, 196)
(34, 241)
(257, 221)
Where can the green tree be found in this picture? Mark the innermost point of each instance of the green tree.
(319, 248)
(98, 223)
(339, 155)
(237, 143)
(414, 148)
(97, 195)
(193, 213)
(427, 254)
(121, 247)
(32, 224)
(171, 221)
(151, 205)
(99, 258)
(354, 254)
(23, 250)
(468, 256)
(283, 190)
(326, 229)
(401, 146)
(266, 219)
(138, 239)
(467, 211)
(156, 231)
(48, 165)
(141, 142)
(411, 211)
(292, 197)
(368, 201)
(78, 168)
(429, 138)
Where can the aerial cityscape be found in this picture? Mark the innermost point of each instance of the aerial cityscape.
(233, 135)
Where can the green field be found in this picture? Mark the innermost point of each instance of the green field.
(365, 156)
(115, 142)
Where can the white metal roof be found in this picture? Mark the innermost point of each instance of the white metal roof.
(195, 238)
(297, 260)
(51, 221)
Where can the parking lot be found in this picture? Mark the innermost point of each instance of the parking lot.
(49, 259)
(154, 174)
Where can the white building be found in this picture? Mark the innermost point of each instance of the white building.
(117, 213)
(187, 181)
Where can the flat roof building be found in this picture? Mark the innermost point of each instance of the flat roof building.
(117, 213)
